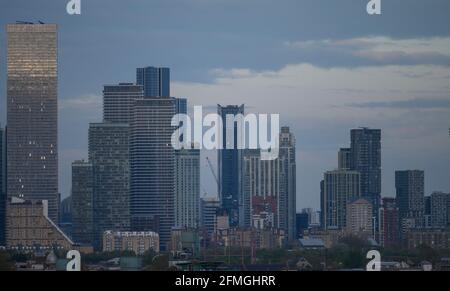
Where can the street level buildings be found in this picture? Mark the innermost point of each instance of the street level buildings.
(138, 242)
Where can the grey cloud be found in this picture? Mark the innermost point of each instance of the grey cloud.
(418, 103)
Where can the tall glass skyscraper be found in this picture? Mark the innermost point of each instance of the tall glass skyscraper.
(366, 159)
(32, 109)
(2, 187)
(288, 194)
(230, 164)
(181, 105)
(152, 164)
(155, 81)
(109, 155)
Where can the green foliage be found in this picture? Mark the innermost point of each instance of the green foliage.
(148, 257)
(6, 263)
(159, 263)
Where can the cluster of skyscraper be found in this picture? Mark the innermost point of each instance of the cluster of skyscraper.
(133, 179)
(351, 195)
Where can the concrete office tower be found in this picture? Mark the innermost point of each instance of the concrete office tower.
(109, 156)
(388, 223)
(32, 109)
(2, 187)
(261, 192)
(155, 81)
(345, 159)
(209, 208)
(359, 218)
(410, 198)
(288, 194)
(366, 159)
(339, 188)
(118, 101)
(152, 161)
(230, 166)
(82, 203)
(440, 210)
(187, 188)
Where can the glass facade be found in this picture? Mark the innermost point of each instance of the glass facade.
(230, 167)
(32, 77)
(155, 81)
(288, 193)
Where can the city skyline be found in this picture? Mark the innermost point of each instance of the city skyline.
(199, 135)
(427, 143)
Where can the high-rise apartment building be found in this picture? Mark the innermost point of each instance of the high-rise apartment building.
(118, 101)
(230, 165)
(109, 156)
(187, 188)
(359, 219)
(288, 195)
(440, 210)
(345, 159)
(82, 202)
(427, 213)
(340, 187)
(2, 187)
(366, 159)
(260, 206)
(410, 198)
(155, 81)
(152, 164)
(209, 210)
(32, 114)
(388, 232)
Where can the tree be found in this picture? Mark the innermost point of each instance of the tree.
(6, 263)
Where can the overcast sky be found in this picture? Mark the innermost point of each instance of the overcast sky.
(325, 66)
